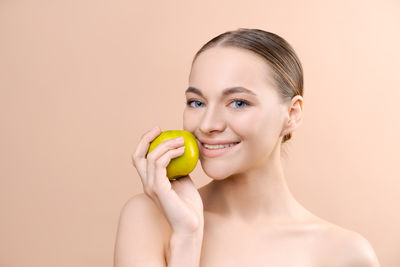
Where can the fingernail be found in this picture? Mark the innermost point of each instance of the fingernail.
(179, 138)
(154, 128)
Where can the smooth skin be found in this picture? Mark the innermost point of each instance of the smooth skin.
(246, 216)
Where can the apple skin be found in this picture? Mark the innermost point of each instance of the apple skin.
(184, 164)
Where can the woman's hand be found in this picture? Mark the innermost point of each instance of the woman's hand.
(179, 199)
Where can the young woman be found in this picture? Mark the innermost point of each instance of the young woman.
(243, 102)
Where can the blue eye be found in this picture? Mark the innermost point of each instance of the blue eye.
(241, 103)
(189, 102)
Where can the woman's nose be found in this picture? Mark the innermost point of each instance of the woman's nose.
(212, 120)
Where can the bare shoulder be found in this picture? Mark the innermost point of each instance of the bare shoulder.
(143, 233)
(341, 247)
(141, 209)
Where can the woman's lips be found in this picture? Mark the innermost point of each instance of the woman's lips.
(211, 153)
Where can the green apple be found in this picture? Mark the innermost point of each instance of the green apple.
(184, 164)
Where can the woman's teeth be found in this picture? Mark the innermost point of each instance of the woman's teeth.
(218, 146)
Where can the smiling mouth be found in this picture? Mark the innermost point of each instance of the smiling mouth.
(212, 151)
(211, 147)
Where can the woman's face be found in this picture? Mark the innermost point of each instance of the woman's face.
(255, 119)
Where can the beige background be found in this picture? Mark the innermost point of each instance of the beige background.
(81, 81)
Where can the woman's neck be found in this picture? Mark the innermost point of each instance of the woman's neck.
(257, 195)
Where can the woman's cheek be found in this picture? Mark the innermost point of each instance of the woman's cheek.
(190, 120)
(248, 123)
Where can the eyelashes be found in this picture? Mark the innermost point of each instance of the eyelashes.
(246, 103)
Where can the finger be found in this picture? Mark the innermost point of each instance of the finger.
(163, 147)
(158, 183)
(162, 163)
(161, 151)
(138, 157)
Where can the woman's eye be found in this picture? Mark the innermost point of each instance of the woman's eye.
(189, 102)
(239, 103)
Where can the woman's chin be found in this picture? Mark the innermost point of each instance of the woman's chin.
(216, 173)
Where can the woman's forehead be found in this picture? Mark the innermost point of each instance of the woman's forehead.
(229, 58)
(225, 67)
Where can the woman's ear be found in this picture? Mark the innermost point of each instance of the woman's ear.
(294, 115)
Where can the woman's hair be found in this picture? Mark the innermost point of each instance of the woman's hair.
(279, 55)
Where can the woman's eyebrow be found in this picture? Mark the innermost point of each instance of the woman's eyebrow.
(227, 91)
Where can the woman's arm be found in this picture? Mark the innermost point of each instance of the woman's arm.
(140, 237)
(185, 250)
(141, 234)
